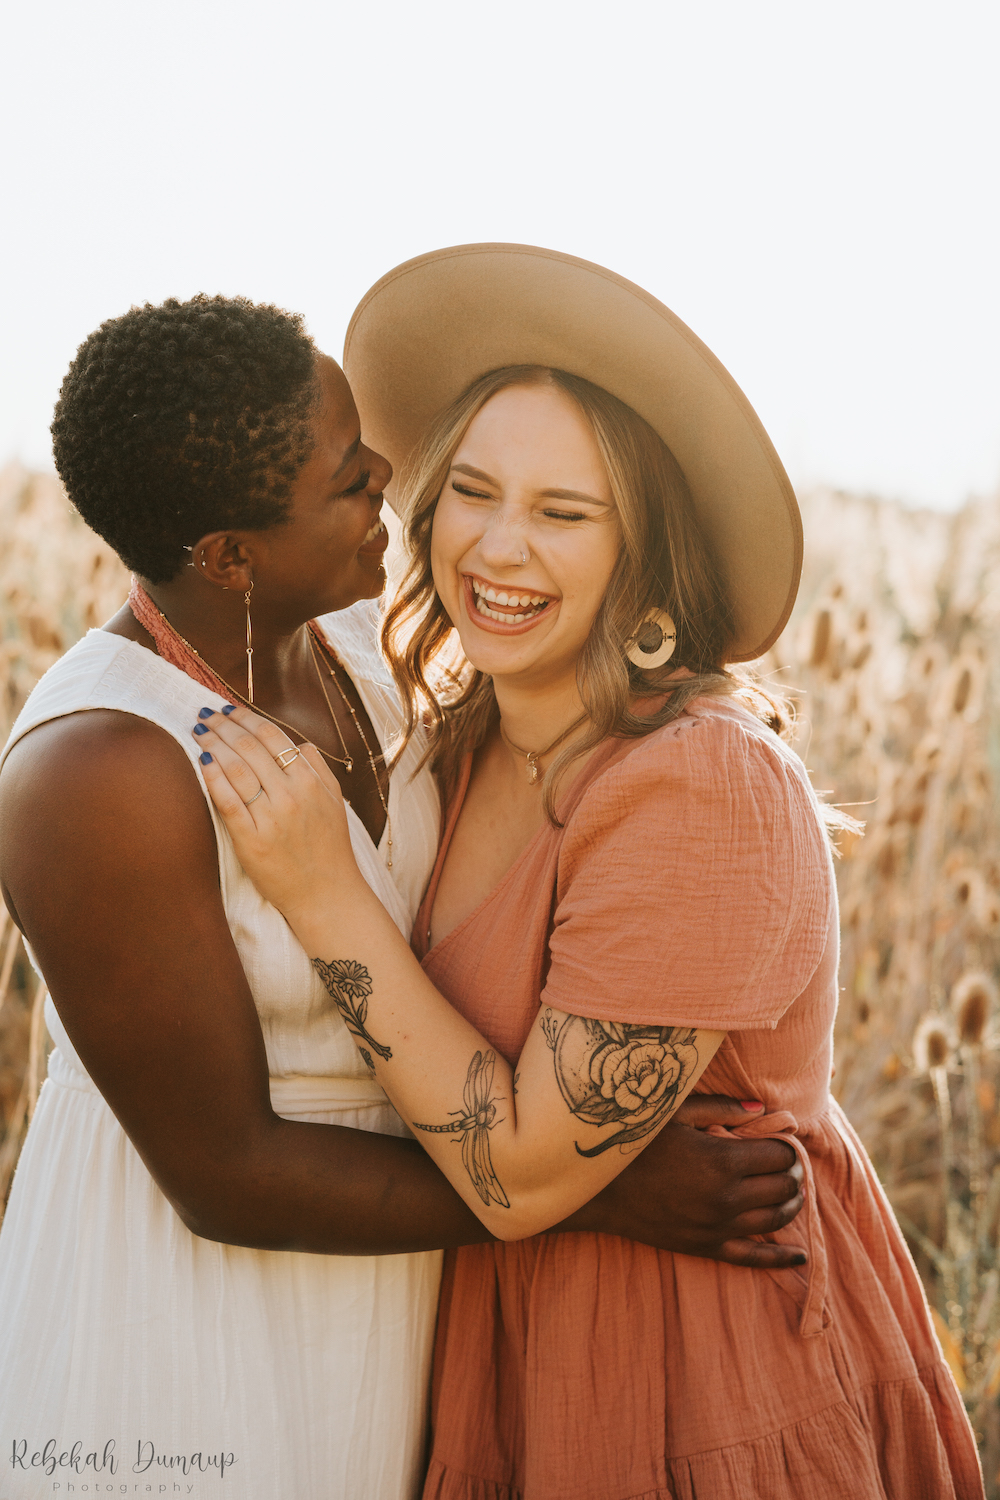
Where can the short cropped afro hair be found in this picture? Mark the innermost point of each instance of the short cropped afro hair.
(190, 417)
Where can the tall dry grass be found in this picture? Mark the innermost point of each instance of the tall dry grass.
(57, 580)
(892, 651)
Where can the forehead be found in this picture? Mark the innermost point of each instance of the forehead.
(529, 409)
(539, 426)
(337, 422)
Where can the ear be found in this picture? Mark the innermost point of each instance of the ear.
(223, 560)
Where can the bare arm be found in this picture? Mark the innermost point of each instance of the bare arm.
(522, 1155)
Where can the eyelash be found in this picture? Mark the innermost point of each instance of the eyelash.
(553, 515)
(359, 484)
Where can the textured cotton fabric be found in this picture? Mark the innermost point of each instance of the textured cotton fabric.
(118, 1325)
(691, 885)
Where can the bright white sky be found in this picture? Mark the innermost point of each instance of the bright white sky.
(813, 187)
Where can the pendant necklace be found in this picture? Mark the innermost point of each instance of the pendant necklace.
(535, 773)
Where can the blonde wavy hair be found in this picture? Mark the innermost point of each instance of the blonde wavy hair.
(663, 563)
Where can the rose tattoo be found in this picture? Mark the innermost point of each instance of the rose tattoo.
(609, 1073)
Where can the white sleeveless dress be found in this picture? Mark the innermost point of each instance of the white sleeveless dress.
(154, 1351)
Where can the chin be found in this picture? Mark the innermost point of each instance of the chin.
(498, 661)
(368, 583)
(377, 584)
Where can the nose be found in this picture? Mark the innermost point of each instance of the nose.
(500, 545)
(379, 475)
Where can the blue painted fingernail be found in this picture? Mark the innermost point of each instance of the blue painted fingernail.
(205, 758)
(201, 729)
(205, 713)
(229, 708)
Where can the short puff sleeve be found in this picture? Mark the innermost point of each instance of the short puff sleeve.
(695, 883)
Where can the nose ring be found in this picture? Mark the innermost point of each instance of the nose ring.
(524, 558)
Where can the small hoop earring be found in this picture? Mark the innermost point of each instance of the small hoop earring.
(654, 642)
(246, 601)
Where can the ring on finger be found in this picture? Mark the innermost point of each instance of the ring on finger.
(292, 754)
(258, 793)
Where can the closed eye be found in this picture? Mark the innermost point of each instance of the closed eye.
(361, 483)
(565, 515)
(463, 489)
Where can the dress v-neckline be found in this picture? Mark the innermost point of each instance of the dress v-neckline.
(599, 760)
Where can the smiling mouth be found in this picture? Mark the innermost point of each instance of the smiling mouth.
(376, 529)
(506, 606)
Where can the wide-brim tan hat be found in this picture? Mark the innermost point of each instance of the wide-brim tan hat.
(434, 324)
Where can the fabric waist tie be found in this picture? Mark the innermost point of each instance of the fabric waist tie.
(783, 1126)
(301, 1094)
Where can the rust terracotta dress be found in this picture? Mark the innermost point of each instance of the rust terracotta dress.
(691, 885)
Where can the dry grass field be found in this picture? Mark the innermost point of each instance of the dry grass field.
(892, 655)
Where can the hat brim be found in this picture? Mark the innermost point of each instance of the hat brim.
(433, 325)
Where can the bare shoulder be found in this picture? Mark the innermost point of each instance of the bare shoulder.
(98, 753)
(89, 790)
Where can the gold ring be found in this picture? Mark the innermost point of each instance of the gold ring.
(292, 754)
(258, 793)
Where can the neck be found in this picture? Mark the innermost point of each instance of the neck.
(534, 715)
(213, 621)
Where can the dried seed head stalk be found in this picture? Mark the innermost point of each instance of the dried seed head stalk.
(933, 1044)
(973, 1003)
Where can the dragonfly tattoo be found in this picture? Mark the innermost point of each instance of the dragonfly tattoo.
(472, 1125)
(349, 985)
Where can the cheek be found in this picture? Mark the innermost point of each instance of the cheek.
(588, 575)
(452, 536)
(346, 526)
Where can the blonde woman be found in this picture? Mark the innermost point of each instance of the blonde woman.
(633, 898)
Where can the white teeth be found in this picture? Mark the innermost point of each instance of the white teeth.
(374, 531)
(494, 614)
(482, 594)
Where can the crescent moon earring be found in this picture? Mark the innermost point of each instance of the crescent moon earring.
(654, 641)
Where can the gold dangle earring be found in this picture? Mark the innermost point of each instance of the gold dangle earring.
(246, 601)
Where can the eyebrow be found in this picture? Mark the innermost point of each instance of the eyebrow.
(352, 452)
(545, 494)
